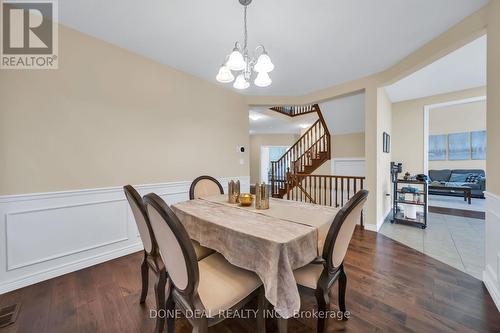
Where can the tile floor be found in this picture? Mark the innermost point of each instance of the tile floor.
(457, 202)
(456, 241)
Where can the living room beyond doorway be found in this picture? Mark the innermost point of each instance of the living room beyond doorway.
(455, 155)
(455, 163)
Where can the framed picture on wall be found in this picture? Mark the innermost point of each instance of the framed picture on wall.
(478, 145)
(459, 146)
(437, 147)
(387, 143)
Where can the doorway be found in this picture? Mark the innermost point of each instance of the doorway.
(269, 154)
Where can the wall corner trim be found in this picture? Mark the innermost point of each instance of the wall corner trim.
(491, 273)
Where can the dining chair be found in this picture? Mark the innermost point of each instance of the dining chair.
(322, 273)
(210, 286)
(204, 186)
(152, 259)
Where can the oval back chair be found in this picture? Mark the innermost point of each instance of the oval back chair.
(340, 232)
(197, 286)
(152, 259)
(322, 273)
(204, 186)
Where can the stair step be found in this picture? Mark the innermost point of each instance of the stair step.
(320, 155)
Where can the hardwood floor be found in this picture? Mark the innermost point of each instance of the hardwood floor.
(390, 288)
(458, 212)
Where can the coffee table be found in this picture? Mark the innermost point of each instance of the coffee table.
(441, 188)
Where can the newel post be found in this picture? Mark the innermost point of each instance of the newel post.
(272, 178)
(288, 180)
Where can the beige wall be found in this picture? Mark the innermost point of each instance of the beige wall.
(108, 117)
(493, 114)
(458, 119)
(259, 140)
(348, 145)
(407, 140)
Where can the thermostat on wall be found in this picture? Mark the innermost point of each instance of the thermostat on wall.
(241, 149)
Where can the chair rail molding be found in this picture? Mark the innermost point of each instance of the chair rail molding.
(45, 235)
(491, 274)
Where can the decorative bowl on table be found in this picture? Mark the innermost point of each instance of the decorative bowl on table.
(245, 199)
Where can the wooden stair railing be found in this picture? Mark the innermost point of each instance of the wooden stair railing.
(326, 190)
(310, 151)
(296, 110)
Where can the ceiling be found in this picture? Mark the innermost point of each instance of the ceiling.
(265, 121)
(462, 69)
(342, 115)
(345, 115)
(313, 46)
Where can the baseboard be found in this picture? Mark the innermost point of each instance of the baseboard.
(492, 196)
(386, 215)
(68, 268)
(371, 227)
(376, 228)
(492, 286)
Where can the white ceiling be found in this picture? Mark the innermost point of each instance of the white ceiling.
(313, 44)
(265, 121)
(463, 69)
(343, 115)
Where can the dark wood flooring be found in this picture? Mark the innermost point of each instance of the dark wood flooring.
(391, 288)
(458, 212)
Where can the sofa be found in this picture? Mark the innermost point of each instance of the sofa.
(473, 178)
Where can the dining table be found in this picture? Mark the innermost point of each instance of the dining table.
(271, 242)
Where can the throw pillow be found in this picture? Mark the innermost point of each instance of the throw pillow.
(472, 179)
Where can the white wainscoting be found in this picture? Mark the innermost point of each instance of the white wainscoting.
(348, 166)
(491, 274)
(45, 235)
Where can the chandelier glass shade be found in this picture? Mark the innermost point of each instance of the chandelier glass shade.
(241, 82)
(240, 62)
(225, 75)
(236, 62)
(263, 80)
(264, 64)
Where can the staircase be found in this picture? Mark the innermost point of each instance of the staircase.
(310, 151)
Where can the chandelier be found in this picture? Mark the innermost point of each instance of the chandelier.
(240, 62)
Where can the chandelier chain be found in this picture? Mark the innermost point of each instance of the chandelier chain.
(245, 29)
